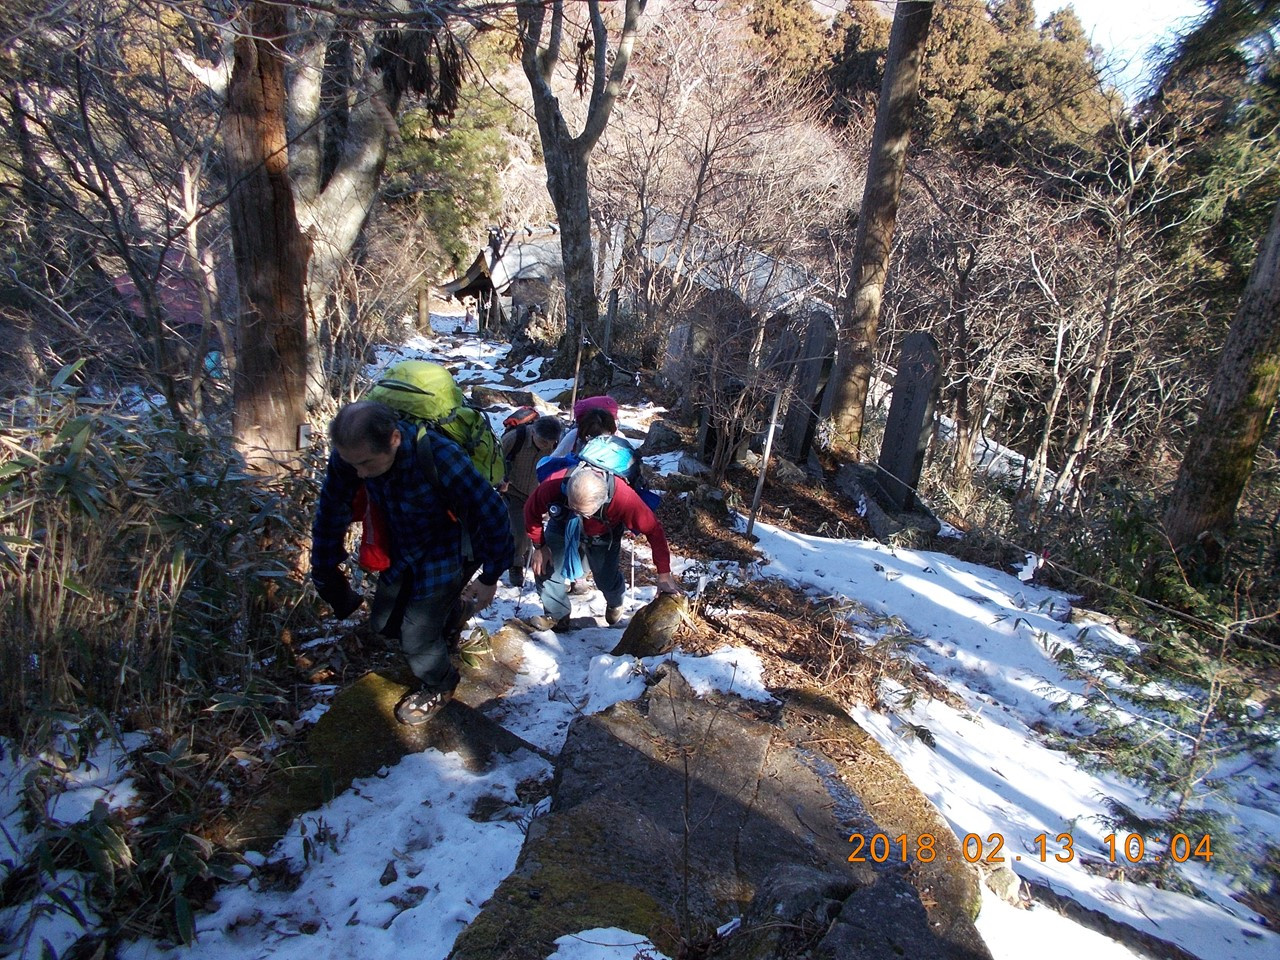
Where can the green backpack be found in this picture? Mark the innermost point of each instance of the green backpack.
(427, 393)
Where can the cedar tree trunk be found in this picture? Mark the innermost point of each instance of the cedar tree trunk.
(271, 253)
(1220, 457)
(873, 239)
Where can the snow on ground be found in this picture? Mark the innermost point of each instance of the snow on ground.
(395, 863)
(989, 637)
(60, 912)
(665, 463)
(413, 817)
(1012, 933)
(607, 943)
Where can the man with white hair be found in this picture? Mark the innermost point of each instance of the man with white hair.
(582, 518)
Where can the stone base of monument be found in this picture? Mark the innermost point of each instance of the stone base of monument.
(887, 519)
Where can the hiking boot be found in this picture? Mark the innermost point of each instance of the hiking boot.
(581, 588)
(515, 576)
(613, 615)
(418, 706)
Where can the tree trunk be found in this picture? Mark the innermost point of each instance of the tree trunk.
(1041, 460)
(338, 155)
(271, 253)
(567, 184)
(1219, 459)
(968, 408)
(873, 240)
(424, 306)
(566, 156)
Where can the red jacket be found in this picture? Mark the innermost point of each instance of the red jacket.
(626, 509)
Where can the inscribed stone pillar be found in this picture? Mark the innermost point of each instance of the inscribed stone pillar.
(906, 435)
(802, 416)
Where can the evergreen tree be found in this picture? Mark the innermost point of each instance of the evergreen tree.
(790, 36)
(1221, 455)
(991, 83)
(860, 42)
(1047, 94)
(1013, 17)
(954, 85)
(1229, 108)
(450, 172)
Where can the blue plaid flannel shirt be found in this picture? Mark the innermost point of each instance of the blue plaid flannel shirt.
(426, 545)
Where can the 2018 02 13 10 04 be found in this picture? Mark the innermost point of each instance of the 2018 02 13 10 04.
(1130, 848)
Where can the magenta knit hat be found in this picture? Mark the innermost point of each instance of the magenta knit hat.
(596, 403)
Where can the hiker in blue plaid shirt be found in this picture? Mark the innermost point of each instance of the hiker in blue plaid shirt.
(424, 594)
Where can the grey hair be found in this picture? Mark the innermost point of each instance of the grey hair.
(586, 491)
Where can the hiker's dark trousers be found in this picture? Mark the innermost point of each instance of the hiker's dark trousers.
(602, 559)
(422, 628)
(515, 514)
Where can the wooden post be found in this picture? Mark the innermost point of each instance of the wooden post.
(764, 460)
(424, 307)
(577, 365)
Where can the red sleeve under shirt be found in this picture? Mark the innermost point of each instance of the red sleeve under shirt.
(626, 509)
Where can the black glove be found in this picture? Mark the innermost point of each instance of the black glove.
(333, 588)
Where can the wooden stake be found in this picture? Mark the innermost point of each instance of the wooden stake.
(764, 461)
(577, 365)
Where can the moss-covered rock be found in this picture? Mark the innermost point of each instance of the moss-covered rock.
(359, 735)
(653, 627)
(670, 815)
(568, 879)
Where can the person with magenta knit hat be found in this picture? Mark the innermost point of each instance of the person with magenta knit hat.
(592, 417)
(582, 518)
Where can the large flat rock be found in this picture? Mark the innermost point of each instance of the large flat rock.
(674, 814)
(948, 884)
(359, 735)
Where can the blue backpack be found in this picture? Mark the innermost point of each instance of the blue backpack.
(609, 455)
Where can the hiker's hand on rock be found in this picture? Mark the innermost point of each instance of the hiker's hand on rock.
(667, 584)
(478, 594)
(540, 563)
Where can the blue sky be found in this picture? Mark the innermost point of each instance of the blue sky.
(1127, 28)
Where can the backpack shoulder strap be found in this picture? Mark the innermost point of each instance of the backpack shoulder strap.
(427, 458)
(521, 432)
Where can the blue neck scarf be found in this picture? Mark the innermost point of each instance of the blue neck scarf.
(572, 569)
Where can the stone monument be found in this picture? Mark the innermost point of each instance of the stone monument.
(906, 435)
(886, 493)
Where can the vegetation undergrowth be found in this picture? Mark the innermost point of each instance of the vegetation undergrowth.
(145, 581)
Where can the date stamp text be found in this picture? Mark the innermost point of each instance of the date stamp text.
(1129, 848)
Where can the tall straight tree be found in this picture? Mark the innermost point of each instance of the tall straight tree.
(565, 155)
(1220, 457)
(271, 252)
(344, 82)
(1219, 460)
(873, 239)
